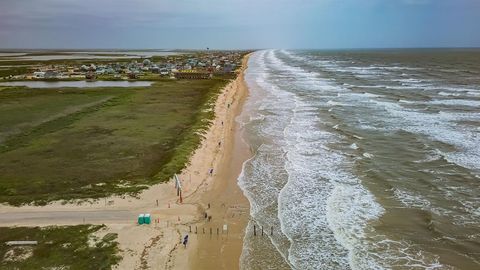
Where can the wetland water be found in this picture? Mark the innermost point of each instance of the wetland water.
(23, 56)
(77, 84)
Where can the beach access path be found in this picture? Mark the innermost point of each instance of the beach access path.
(34, 218)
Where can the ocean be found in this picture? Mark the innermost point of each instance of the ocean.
(363, 159)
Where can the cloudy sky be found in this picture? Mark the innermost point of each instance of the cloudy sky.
(239, 23)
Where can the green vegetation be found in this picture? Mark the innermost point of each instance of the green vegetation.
(70, 143)
(13, 70)
(72, 247)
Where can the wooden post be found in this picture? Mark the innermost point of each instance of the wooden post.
(203, 230)
(262, 230)
(271, 230)
(217, 231)
(190, 228)
(210, 230)
(254, 230)
(195, 229)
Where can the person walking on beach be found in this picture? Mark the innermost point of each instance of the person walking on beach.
(185, 241)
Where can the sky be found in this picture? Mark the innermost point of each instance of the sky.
(239, 24)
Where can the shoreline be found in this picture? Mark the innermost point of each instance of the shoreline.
(158, 244)
(228, 206)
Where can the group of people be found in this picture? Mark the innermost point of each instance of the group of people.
(207, 217)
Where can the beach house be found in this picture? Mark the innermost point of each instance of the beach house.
(39, 74)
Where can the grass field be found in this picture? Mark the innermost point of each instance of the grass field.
(57, 249)
(62, 144)
(13, 70)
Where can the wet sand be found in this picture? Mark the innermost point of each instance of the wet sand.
(209, 248)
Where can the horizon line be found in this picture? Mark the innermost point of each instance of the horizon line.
(235, 49)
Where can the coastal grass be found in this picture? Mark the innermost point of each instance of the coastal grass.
(66, 247)
(13, 70)
(71, 143)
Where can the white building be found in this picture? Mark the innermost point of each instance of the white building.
(39, 75)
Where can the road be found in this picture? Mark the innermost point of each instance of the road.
(98, 216)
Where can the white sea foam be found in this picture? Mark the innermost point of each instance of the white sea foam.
(436, 155)
(262, 173)
(407, 101)
(400, 68)
(296, 180)
(335, 103)
(409, 80)
(411, 200)
(456, 102)
(441, 127)
(367, 155)
(448, 94)
(317, 194)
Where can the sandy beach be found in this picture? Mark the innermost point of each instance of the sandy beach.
(228, 135)
(158, 245)
(220, 246)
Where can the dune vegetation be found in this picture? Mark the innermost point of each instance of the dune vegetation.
(74, 143)
(57, 249)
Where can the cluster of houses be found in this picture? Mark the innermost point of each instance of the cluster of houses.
(197, 66)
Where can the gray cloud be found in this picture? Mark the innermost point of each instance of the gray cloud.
(217, 23)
